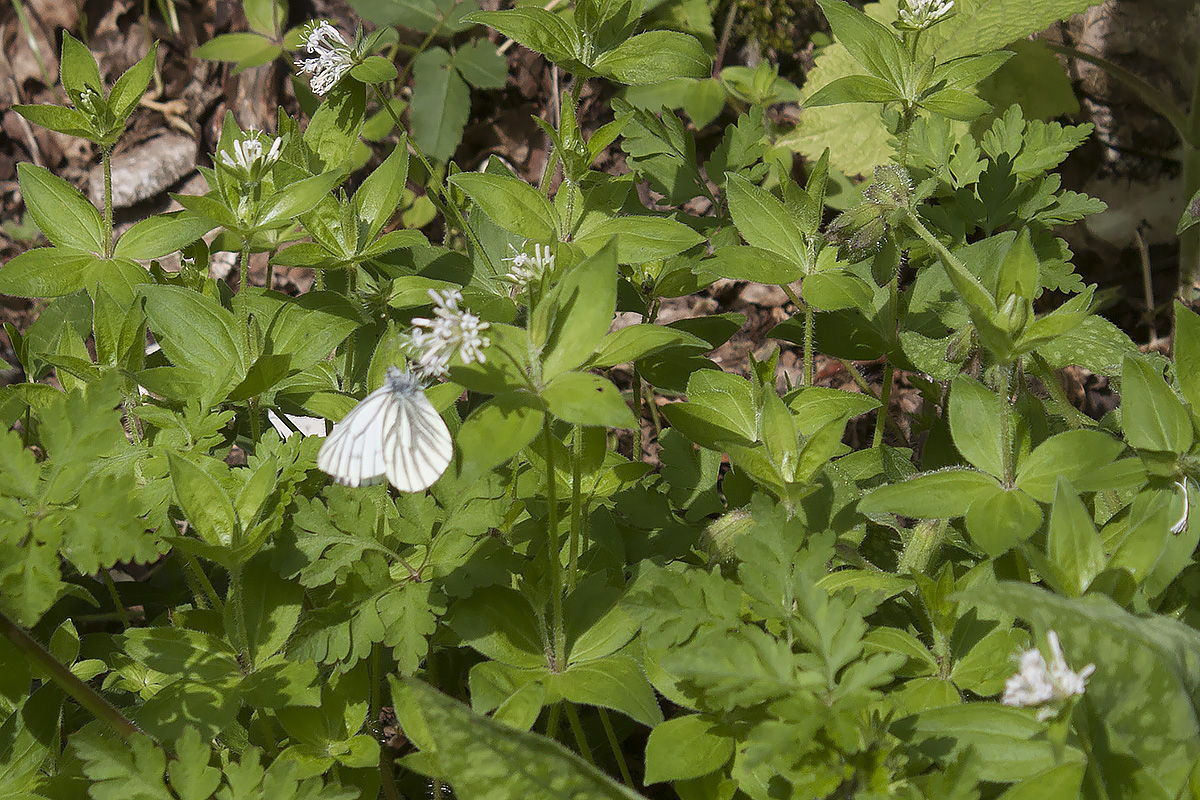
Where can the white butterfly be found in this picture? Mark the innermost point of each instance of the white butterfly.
(394, 432)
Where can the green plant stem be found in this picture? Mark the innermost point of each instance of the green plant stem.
(615, 745)
(106, 161)
(806, 309)
(554, 554)
(885, 399)
(122, 612)
(576, 540)
(580, 735)
(203, 590)
(1004, 387)
(83, 694)
(638, 412)
(552, 721)
(918, 227)
(244, 264)
(926, 537)
(237, 608)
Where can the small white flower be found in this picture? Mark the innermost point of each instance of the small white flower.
(253, 154)
(921, 14)
(330, 57)
(1038, 684)
(524, 269)
(434, 341)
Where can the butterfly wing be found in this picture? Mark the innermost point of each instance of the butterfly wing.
(353, 453)
(416, 446)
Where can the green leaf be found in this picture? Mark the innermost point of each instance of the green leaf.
(853, 89)
(205, 504)
(426, 16)
(571, 319)
(655, 56)
(496, 431)
(1187, 354)
(1001, 519)
(77, 68)
(685, 747)
(374, 69)
(1019, 270)
(500, 624)
(119, 769)
(1078, 456)
(191, 776)
(47, 272)
(1191, 215)
(974, 424)
(298, 198)
(70, 121)
(234, 46)
(835, 291)
(640, 239)
(1073, 546)
(333, 131)
(511, 203)
(638, 341)
(162, 234)
(440, 104)
(128, 90)
(1152, 416)
(536, 28)
(873, 45)
(1061, 781)
(380, 194)
(480, 65)
(956, 104)
(615, 682)
(308, 328)
(196, 334)
(265, 16)
(585, 399)
(1009, 742)
(484, 758)
(751, 264)
(763, 220)
(935, 495)
(60, 210)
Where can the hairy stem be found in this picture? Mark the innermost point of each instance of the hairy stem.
(1004, 386)
(558, 643)
(122, 612)
(580, 736)
(615, 746)
(83, 694)
(576, 541)
(106, 161)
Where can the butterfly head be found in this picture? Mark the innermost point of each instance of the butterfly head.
(403, 382)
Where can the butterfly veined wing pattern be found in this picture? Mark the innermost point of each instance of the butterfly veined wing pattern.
(395, 432)
(353, 452)
(417, 446)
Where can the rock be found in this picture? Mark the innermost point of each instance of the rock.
(146, 170)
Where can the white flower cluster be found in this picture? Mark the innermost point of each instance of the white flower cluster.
(921, 14)
(253, 154)
(330, 57)
(434, 341)
(1048, 686)
(524, 269)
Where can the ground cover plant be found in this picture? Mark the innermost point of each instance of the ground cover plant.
(439, 528)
